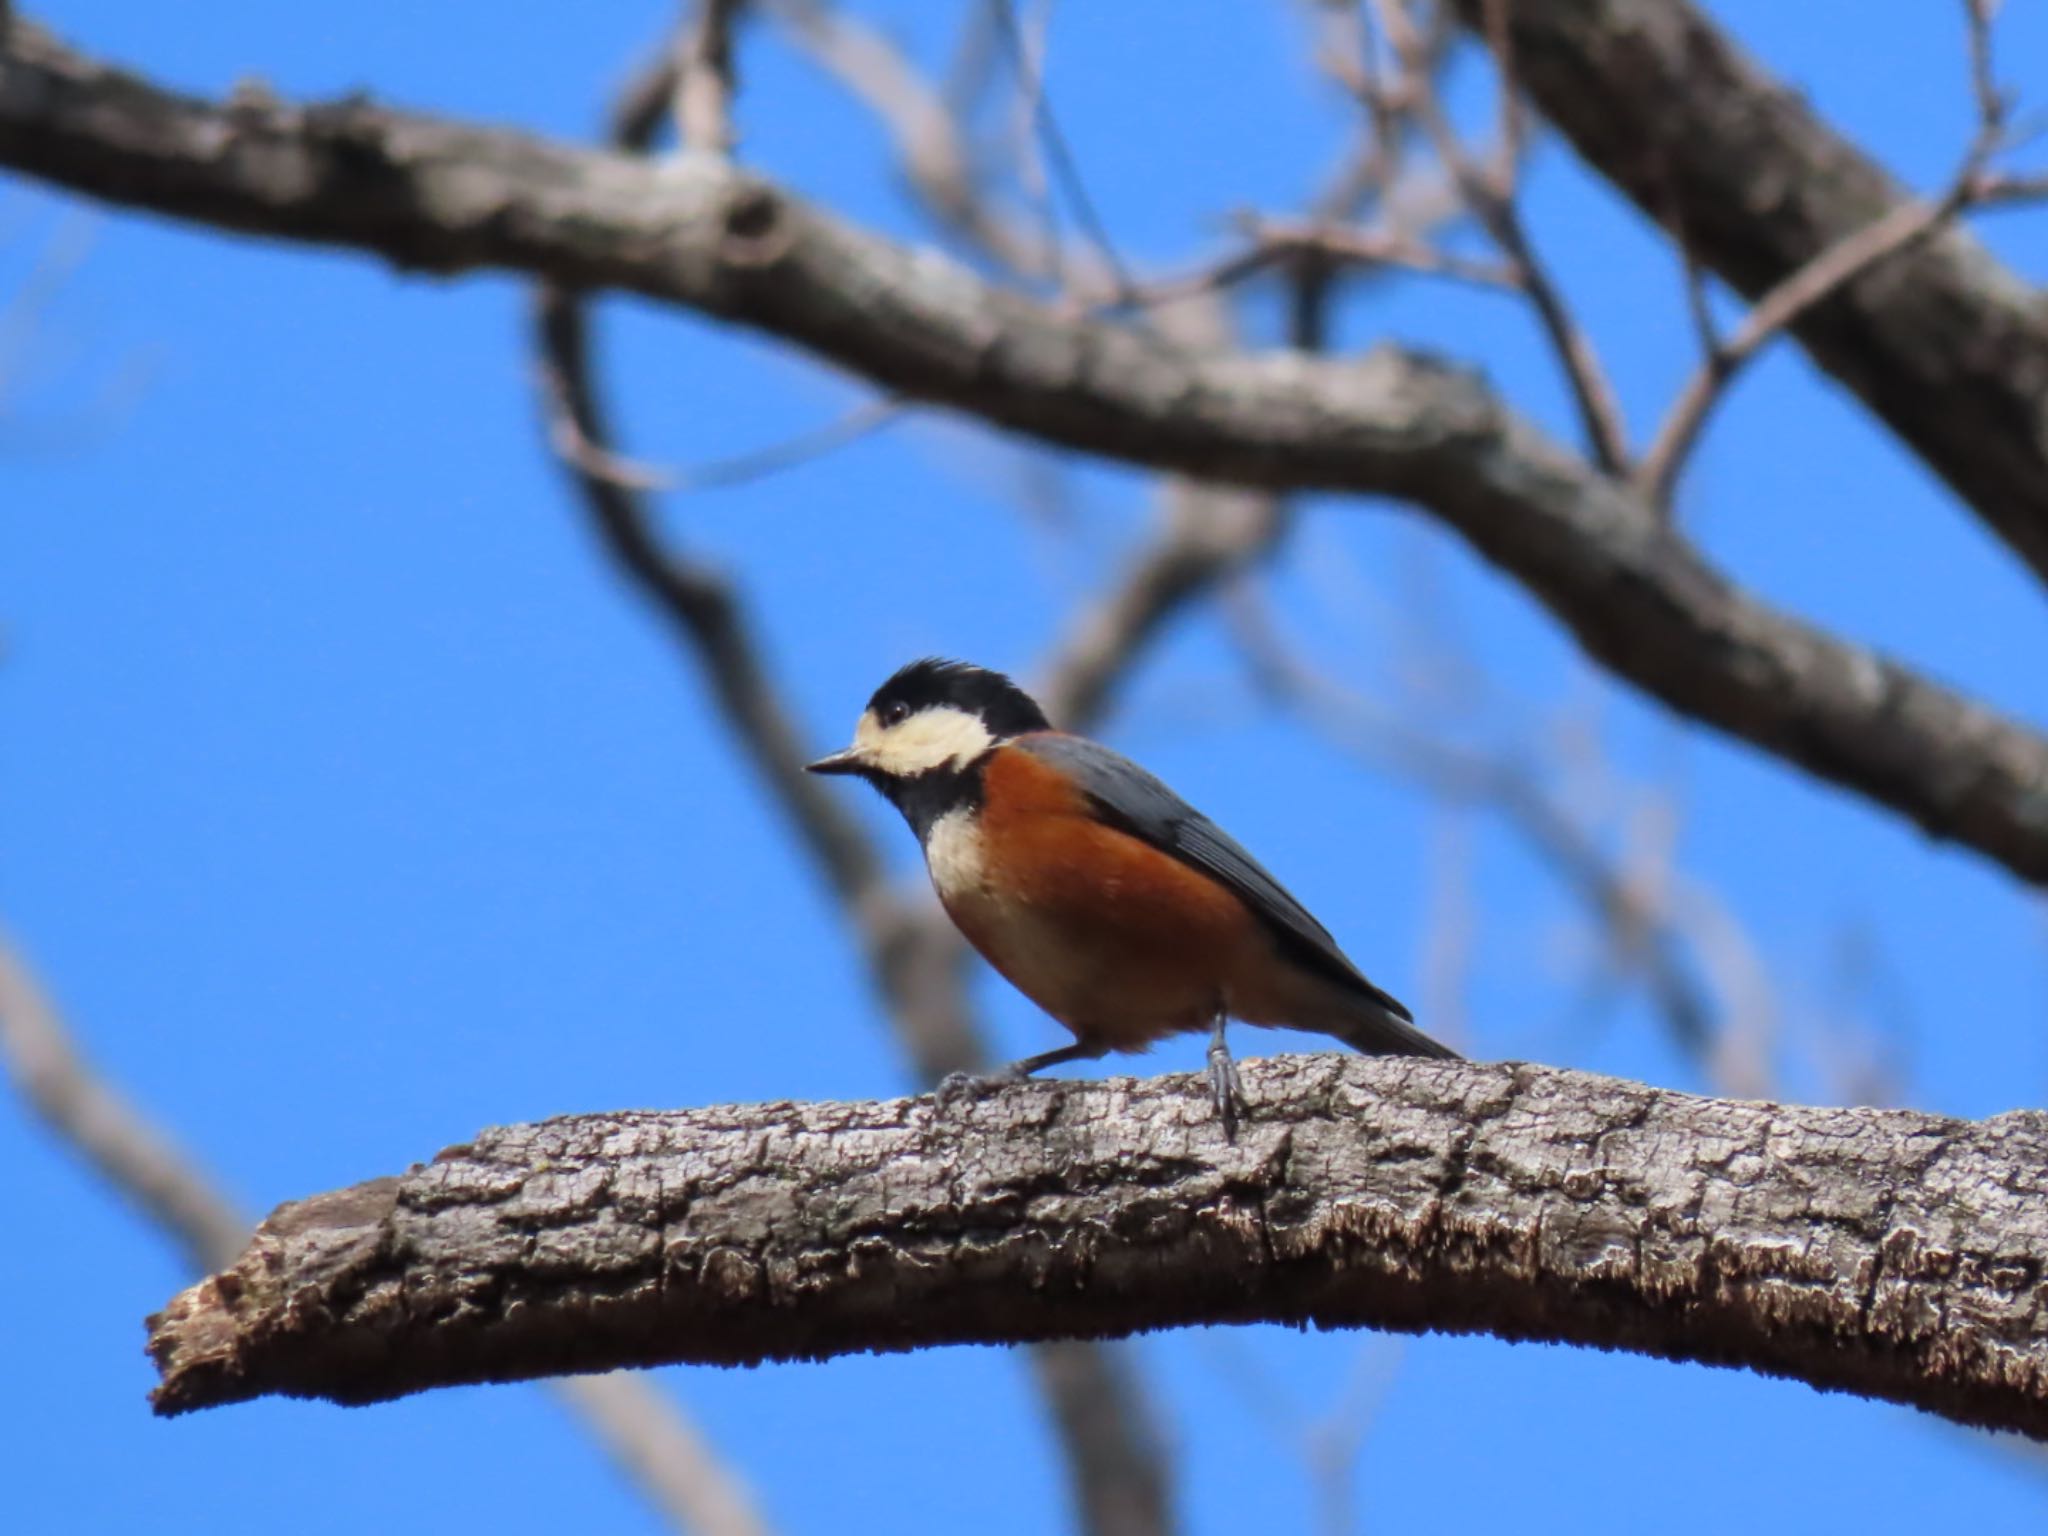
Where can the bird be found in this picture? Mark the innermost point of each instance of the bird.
(1095, 890)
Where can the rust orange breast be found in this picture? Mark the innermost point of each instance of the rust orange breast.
(1121, 942)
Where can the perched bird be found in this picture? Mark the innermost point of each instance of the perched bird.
(1098, 892)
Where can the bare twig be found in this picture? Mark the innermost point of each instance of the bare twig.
(565, 435)
(1828, 273)
(1510, 132)
(1492, 200)
(1699, 301)
(1030, 66)
(1946, 352)
(1207, 534)
(651, 1441)
(705, 78)
(1991, 103)
(1275, 242)
(1644, 935)
(922, 125)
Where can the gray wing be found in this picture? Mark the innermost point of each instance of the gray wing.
(1136, 802)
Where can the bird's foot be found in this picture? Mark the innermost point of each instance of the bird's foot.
(1225, 1087)
(958, 1088)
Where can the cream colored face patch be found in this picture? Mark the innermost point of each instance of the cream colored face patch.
(932, 738)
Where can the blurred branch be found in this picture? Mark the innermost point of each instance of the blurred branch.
(1029, 63)
(1643, 933)
(638, 1427)
(649, 1439)
(1274, 242)
(1206, 536)
(923, 127)
(1944, 344)
(138, 1161)
(1881, 1252)
(1642, 602)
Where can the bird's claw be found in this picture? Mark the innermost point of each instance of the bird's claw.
(1226, 1088)
(956, 1088)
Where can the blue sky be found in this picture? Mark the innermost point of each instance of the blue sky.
(349, 805)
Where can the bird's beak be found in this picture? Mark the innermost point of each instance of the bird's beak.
(851, 760)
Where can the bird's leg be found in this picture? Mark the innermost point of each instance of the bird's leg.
(1223, 1080)
(971, 1085)
(1030, 1066)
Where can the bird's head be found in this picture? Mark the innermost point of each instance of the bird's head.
(934, 717)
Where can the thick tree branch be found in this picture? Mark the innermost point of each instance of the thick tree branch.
(1945, 345)
(1883, 1252)
(440, 195)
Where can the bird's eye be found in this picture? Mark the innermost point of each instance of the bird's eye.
(896, 714)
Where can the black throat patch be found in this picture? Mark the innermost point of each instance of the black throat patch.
(924, 797)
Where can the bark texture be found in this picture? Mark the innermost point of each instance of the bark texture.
(446, 197)
(1883, 1252)
(1946, 346)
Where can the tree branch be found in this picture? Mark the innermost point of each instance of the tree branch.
(1883, 1252)
(1944, 345)
(434, 194)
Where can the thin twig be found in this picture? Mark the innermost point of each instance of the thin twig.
(1699, 300)
(921, 123)
(1274, 242)
(1510, 133)
(1207, 535)
(565, 435)
(1506, 786)
(1831, 271)
(705, 80)
(1493, 202)
(1820, 279)
(1031, 76)
(653, 1443)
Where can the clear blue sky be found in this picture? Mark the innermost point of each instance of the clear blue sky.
(348, 806)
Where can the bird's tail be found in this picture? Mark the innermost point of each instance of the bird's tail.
(1368, 1020)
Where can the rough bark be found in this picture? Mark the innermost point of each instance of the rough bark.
(1946, 346)
(447, 197)
(1883, 1252)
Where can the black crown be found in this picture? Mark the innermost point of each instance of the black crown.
(932, 683)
